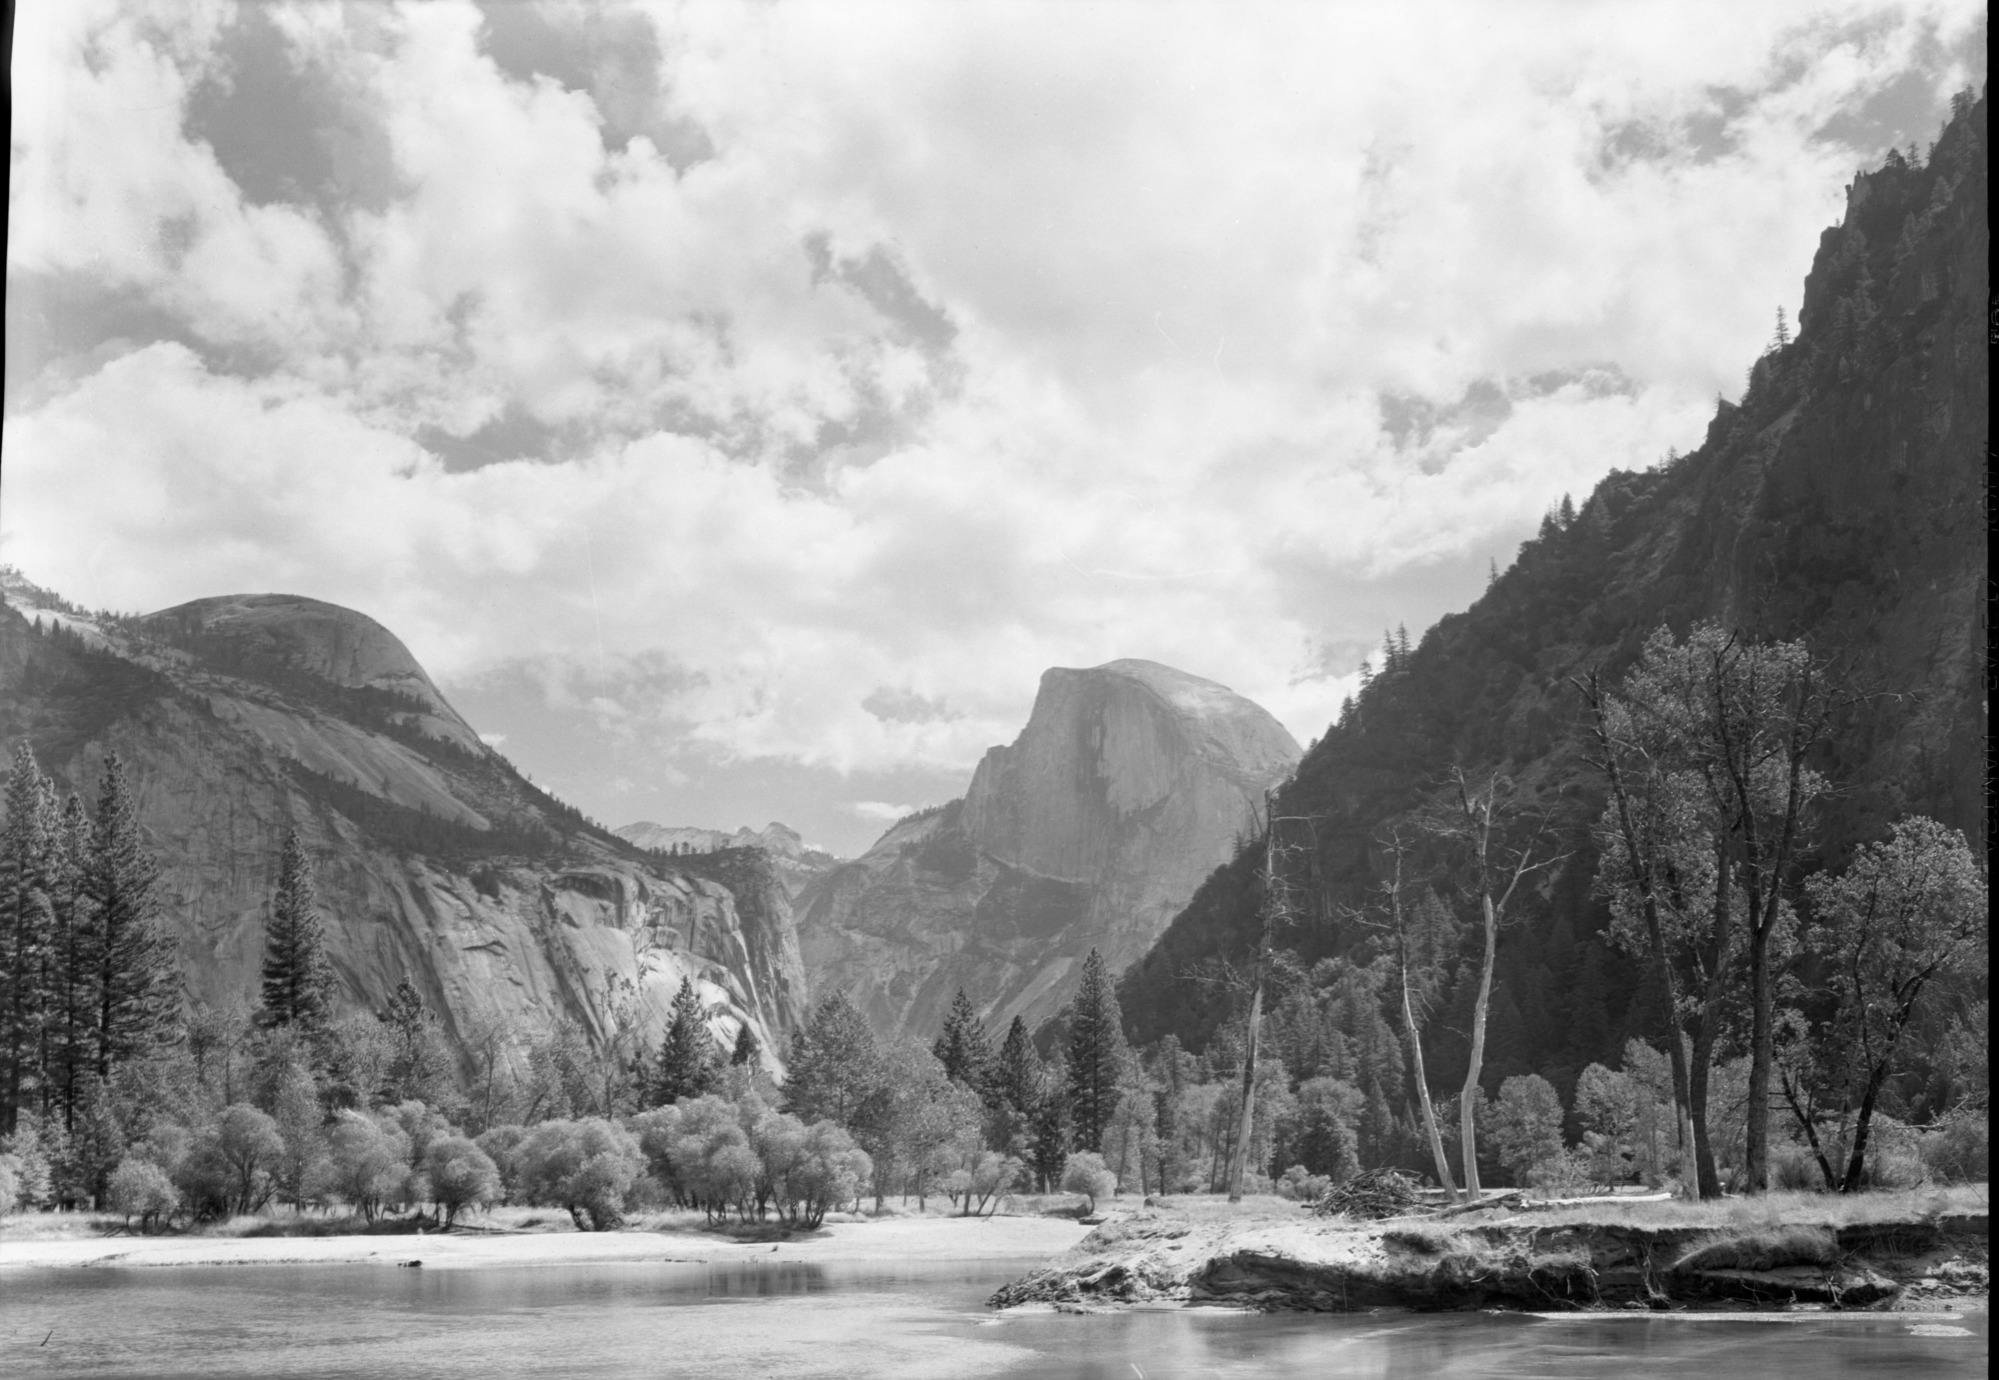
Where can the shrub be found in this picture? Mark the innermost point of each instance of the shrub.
(247, 1147)
(656, 1130)
(1793, 1168)
(1610, 1161)
(502, 1145)
(370, 1162)
(1566, 1175)
(711, 1158)
(1894, 1155)
(1301, 1185)
(1958, 1149)
(585, 1167)
(1896, 1167)
(1084, 1172)
(831, 1171)
(139, 1188)
(461, 1176)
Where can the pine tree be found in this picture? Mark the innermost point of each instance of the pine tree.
(135, 996)
(747, 1049)
(1016, 1074)
(1096, 1053)
(27, 921)
(835, 1064)
(1049, 1140)
(964, 1049)
(688, 1060)
(415, 1061)
(298, 981)
(68, 1032)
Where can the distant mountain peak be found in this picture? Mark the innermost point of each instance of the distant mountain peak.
(1130, 781)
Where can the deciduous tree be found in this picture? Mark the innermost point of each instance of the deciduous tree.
(1904, 912)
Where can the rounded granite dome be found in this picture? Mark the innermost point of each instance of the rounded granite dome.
(333, 643)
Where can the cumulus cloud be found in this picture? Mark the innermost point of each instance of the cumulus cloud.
(791, 388)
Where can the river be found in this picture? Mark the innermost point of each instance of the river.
(921, 1320)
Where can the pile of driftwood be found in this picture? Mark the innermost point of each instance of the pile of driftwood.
(1369, 1194)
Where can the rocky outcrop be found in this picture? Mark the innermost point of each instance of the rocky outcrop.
(1129, 784)
(795, 861)
(239, 718)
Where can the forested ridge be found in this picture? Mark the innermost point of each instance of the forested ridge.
(1838, 504)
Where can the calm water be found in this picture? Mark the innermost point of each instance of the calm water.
(927, 1320)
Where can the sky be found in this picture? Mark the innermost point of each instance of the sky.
(737, 407)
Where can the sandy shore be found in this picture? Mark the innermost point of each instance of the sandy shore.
(1023, 1239)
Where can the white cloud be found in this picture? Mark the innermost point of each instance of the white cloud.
(1090, 362)
(881, 811)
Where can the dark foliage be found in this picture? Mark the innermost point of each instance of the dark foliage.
(408, 831)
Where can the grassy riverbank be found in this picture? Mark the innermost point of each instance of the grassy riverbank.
(1784, 1250)
(525, 1236)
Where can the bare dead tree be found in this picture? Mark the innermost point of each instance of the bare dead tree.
(1279, 907)
(1392, 915)
(1480, 820)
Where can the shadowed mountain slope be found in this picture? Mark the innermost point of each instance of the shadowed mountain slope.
(1841, 501)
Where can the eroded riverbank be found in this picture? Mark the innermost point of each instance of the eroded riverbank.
(1808, 1258)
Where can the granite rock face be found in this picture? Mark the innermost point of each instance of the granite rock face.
(241, 717)
(1130, 783)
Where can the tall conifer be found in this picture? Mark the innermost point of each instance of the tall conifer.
(1096, 1051)
(26, 921)
(132, 959)
(298, 981)
(69, 1034)
(687, 1056)
(1016, 1077)
(963, 1048)
(835, 1064)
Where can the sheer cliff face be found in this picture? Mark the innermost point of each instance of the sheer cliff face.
(1129, 784)
(241, 717)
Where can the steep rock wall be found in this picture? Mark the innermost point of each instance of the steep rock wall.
(1129, 784)
(434, 862)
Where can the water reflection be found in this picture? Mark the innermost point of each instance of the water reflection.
(919, 1319)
